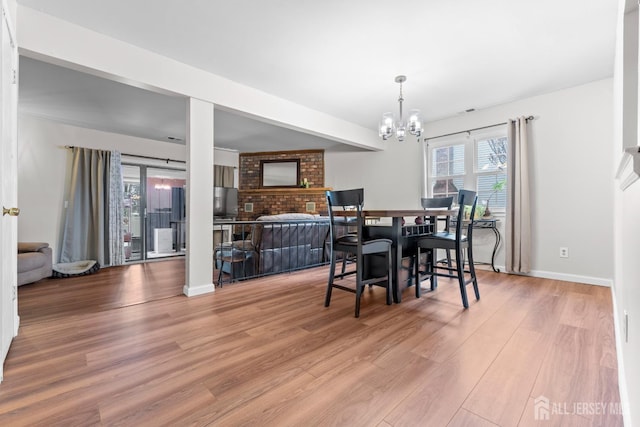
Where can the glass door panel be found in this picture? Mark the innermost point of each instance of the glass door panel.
(133, 213)
(165, 212)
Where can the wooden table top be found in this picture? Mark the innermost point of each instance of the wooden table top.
(395, 213)
(409, 212)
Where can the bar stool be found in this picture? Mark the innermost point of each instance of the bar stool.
(355, 244)
(452, 241)
(231, 256)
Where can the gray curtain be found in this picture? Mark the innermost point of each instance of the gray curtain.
(86, 227)
(116, 210)
(518, 217)
(223, 176)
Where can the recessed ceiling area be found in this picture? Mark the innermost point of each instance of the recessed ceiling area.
(80, 99)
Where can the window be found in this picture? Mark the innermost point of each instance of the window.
(491, 171)
(447, 167)
(478, 162)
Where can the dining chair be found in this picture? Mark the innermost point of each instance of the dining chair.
(456, 241)
(432, 203)
(354, 243)
(440, 203)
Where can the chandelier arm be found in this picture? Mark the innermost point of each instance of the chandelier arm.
(400, 100)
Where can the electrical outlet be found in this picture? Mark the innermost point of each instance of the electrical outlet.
(564, 252)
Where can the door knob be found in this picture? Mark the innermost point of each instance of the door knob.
(10, 211)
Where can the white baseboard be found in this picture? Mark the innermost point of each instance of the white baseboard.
(589, 280)
(599, 281)
(192, 291)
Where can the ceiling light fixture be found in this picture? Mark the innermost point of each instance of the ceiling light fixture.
(389, 126)
(162, 186)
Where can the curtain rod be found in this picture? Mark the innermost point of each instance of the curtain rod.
(141, 157)
(474, 129)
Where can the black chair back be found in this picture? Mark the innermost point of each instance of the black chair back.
(437, 202)
(466, 198)
(346, 200)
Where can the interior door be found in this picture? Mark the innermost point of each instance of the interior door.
(8, 185)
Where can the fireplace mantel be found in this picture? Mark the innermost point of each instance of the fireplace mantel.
(280, 191)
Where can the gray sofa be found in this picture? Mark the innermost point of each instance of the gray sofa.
(277, 243)
(286, 242)
(34, 262)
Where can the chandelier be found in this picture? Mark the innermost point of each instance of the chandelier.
(389, 126)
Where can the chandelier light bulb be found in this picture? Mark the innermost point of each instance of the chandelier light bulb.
(386, 126)
(415, 123)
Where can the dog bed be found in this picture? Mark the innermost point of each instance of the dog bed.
(78, 268)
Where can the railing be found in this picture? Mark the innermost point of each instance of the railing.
(248, 249)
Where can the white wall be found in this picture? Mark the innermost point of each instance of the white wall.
(224, 157)
(43, 163)
(571, 171)
(626, 292)
(627, 296)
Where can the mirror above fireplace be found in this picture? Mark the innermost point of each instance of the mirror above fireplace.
(279, 173)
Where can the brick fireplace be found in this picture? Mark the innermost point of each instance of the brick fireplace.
(254, 200)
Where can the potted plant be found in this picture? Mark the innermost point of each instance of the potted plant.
(498, 186)
(479, 213)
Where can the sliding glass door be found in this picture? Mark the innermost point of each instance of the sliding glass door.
(133, 213)
(165, 212)
(154, 212)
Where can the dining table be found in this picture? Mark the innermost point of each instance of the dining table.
(404, 237)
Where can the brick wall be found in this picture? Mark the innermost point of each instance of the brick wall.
(311, 167)
(272, 201)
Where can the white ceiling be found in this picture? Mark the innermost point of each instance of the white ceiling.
(80, 99)
(335, 56)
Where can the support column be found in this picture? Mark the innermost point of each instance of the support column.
(199, 257)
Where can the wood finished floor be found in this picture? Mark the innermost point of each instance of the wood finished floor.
(120, 348)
